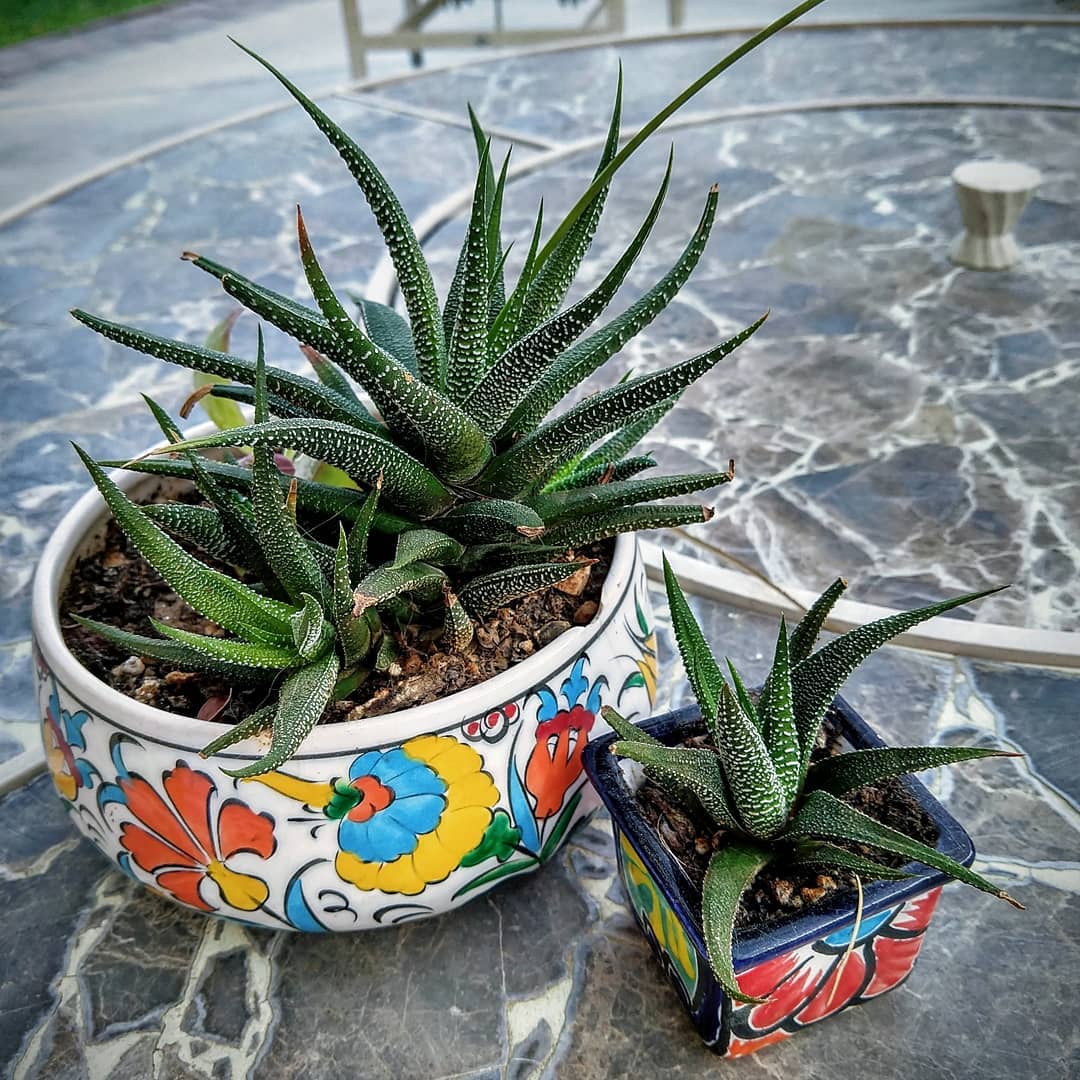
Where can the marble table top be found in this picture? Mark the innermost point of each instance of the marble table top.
(905, 422)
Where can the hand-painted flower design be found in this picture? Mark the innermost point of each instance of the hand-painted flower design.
(184, 844)
(63, 735)
(657, 920)
(647, 662)
(491, 727)
(555, 761)
(811, 982)
(406, 816)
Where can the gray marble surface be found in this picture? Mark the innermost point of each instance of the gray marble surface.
(549, 977)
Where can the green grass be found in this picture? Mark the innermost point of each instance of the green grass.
(22, 19)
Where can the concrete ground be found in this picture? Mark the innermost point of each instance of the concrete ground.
(72, 103)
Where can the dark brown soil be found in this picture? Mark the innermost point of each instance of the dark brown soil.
(117, 586)
(779, 890)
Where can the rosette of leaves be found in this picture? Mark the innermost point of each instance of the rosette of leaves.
(756, 781)
(467, 485)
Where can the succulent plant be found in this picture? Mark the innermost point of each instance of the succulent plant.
(463, 494)
(757, 782)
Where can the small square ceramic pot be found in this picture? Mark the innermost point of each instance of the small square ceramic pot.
(795, 962)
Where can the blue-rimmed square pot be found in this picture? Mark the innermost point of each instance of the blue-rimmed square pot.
(795, 962)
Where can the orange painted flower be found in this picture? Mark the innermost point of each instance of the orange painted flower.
(556, 760)
(184, 844)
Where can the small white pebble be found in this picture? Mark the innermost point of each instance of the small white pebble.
(131, 666)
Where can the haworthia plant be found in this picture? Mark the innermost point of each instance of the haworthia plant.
(429, 487)
(755, 781)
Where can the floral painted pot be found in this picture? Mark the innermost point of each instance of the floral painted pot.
(373, 822)
(797, 963)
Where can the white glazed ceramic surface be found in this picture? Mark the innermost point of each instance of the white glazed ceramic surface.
(374, 821)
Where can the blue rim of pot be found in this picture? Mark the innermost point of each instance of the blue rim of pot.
(754, 945)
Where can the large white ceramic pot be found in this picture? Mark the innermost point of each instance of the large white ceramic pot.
(373, 821)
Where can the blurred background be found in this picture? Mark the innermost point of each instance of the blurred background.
(84, 82)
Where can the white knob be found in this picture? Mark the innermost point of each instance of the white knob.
(992, 195)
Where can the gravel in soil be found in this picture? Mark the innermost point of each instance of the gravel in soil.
(117, 586)
(779, 890)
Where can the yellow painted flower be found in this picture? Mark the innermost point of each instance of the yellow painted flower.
(406, 816)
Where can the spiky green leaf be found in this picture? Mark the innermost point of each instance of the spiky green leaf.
(419, 413)
(742, 695)
(601, 474)
(690, 767)
(510, 378)
(389, 331)
(731, 871)
(468, 336)
(224, 600)
(387, 581)
(198, 525)
(504, 328)
(485, 592)
(457, 626)
(253, 724)
(304, 696)
(537, 455)
(805, 635)
(309, 397)
(626, 731)
(492, 520)
(428, 546)
(223, 414)
(558, 261)
(312, 634)
(177, 656)
(846, 772)
(756, 792)
(414, 277)
(587, 356)
(816, 853)
(232, 652)
(776, 718)
(365, 457)
(602, 498)
(824, 816)
(702, 670)
(818, 678)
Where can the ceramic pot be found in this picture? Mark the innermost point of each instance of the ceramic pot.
(795, 962)
(460, 794)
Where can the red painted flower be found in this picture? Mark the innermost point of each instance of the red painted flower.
(814, 981)
(492, 727)
(555, 762)
(184, 844)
